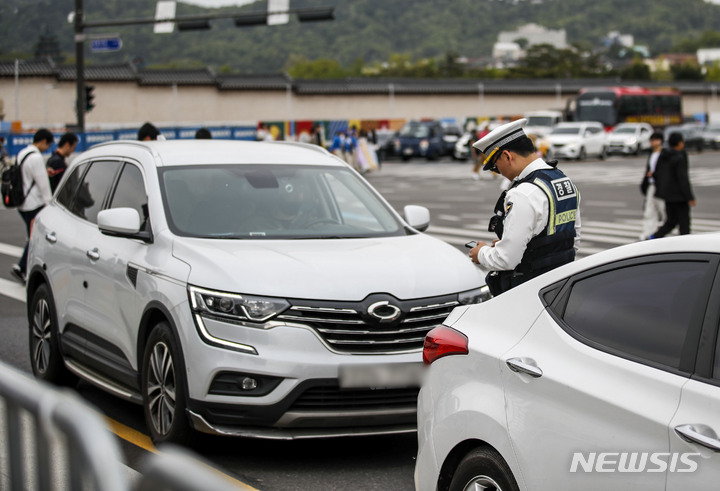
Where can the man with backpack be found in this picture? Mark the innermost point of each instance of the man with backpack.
(36, 189)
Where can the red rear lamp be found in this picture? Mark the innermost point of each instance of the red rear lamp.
(444, 341)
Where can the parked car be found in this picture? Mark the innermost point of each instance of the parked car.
(578, 140)
(601, 374)
(385, 146)
(427, 139)
(260, 289)
(462, 150)
(692, 135)
(711, 136)
(451, 134)
(629, 138)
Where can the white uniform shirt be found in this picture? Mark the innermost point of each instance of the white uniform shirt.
(34, 171)
(526, 218)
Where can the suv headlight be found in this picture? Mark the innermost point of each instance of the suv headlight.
(234, 306)
(477, 295)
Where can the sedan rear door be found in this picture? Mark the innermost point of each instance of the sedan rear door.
(592, 387)
(695, 429)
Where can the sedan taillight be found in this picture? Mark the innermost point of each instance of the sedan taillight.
(444, 341)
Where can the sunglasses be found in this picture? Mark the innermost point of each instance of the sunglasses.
(493, 162)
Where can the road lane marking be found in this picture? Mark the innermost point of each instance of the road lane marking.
(130, 435)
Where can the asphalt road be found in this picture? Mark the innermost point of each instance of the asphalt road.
(460, 206)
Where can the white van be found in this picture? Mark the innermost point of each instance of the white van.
(541, 123)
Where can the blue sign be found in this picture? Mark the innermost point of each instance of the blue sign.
(105, 45)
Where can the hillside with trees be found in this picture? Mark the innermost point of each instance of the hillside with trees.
(367, 36)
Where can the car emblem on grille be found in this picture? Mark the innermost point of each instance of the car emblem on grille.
(384, 311)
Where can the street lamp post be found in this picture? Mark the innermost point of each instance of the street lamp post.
(79, 66)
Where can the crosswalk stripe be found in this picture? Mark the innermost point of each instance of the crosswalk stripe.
(12, 289)
(10, 250)
(597, 173)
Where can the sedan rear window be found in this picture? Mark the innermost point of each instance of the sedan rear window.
(644, 310)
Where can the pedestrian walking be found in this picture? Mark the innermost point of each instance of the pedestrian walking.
(477, 134)
(203, 134)
(318, 135)
(653, 207)
(673, 186)
(537, 220)
(148, 132)
(4, 156)
(57, 163)
(36, 188)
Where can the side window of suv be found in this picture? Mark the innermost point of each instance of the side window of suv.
(66, 193)
(642, 311)
(91, 193)
(130, 193)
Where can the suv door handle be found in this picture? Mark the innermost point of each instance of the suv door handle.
(51, 237)
(94, 254)
(517, 365)
(689, 433)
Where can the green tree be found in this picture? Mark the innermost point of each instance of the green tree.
(687, 71)
(300, 67)
(637, 70)
(713, 72)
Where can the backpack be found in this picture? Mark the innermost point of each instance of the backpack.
(12, 184)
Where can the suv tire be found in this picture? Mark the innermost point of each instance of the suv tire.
(164, 388)
(44, 341)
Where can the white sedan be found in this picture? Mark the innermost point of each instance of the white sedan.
(630, 138)
(601, 374)
(578, 140)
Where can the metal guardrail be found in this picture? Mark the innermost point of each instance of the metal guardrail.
(54, 440)
(55, 416)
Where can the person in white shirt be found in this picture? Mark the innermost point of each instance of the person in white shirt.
(653, 208)
(537, 220)
(36, 186)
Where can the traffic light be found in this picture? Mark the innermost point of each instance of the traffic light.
(89, 96)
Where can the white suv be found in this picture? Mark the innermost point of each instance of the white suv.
(239, 288)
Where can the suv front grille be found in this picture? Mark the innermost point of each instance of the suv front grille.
(324, 398)
(347, 327)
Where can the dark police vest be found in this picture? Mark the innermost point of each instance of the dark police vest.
(554, 246)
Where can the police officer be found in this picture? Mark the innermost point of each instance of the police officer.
(537, 220)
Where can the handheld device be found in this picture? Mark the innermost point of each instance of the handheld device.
(471, 244)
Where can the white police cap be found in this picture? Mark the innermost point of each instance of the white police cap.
(499, 138)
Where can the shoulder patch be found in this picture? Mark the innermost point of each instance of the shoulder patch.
(508, 207)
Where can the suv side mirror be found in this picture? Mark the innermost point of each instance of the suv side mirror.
(122, 222)
(418, 217)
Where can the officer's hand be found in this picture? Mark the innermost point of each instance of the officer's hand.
(474, 251)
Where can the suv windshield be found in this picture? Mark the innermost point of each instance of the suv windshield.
(273, 201)
(415, 131)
